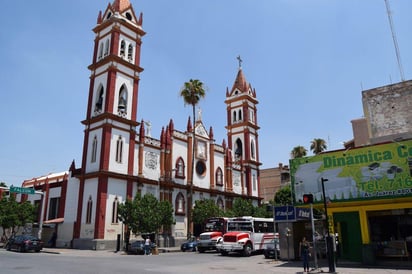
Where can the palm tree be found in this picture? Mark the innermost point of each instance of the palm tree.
(298, 152)
(318, 145)
(191, 93)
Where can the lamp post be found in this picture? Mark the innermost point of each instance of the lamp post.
(329, 240)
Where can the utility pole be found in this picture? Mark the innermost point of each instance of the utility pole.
(329, 239)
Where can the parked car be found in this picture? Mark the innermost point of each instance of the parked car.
(189, 245)
(136, 247)
(271, 248)
(23, 243)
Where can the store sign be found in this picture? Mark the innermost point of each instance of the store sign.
(373, 171)
(284, 214)
(291, 213)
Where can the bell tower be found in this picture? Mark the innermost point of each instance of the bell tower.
(242, 131)
(111, 118)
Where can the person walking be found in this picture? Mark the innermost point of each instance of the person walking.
(304, 253)
(147, 247)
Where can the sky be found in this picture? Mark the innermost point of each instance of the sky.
(308, 60)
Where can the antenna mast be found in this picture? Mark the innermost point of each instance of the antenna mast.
(395, 42)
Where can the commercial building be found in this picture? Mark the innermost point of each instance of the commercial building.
(368, 185)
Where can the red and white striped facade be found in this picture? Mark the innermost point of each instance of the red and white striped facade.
(121, 158)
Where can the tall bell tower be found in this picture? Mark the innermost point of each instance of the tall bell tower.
(242, 130)
(111, 119)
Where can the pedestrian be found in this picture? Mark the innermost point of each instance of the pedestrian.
(52, 241)
(147, 246)
(304, 253)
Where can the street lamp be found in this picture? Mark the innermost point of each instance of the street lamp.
(329, 240)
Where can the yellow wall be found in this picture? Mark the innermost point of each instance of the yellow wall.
(365, 206)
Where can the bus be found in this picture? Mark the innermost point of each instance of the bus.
(246, 235)
(214, 229)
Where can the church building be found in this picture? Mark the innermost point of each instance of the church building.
(121, 157)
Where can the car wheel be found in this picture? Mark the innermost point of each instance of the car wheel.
(20, 249)
(201, 250)
(224, 253)
(247, 249)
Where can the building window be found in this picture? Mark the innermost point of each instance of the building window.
(53, 208)
(180, 168)
(180, 204)
(99, 101)
(234, 116)
(220, 203)
(122, 104)
(122, 48)
(254, 182)
(240, 115)
(238, 150)
(251, 116)
(115, 217)
(106, 48)
(100, 51)
(119, 149)
(89, 211)
(252, 149)
(94, 149)
(201, 168)
(130, 53)
(219, 177)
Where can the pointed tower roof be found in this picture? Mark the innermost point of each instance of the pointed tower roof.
(240, 82)
(121, 5)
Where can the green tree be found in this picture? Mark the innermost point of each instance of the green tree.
(298, 152)
(284, 196)
(15, 215)
(144, 215)
(128, 215)
(242, 207)
(318, 145)
(192, 92)
(204, 209)
(262, 211)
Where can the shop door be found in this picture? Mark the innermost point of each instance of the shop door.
(350, 235)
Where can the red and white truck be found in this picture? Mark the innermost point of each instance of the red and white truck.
(214, 230)
(246, 235)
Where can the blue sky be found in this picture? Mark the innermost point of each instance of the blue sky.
(308, 61)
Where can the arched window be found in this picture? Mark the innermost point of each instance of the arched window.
(240, 115)
(234, 116)
(220, 203)
(122, 104)
(89, 210)
(130, 53)
(99, 100)
(219, 177)
(180, 168)
(94, 149)
(238, 150)
(180, 204)
(252, 149)
(106, 48)
(122, 48)
(100, 51)
(254, 182)
(251, 116)
(119, 149)
(115, 217)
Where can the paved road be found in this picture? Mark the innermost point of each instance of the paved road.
(102, 262)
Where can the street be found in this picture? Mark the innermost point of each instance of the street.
(88, 262)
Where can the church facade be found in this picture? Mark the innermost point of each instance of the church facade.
(121, 158)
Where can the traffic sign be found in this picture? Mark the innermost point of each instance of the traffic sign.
(22, 190)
